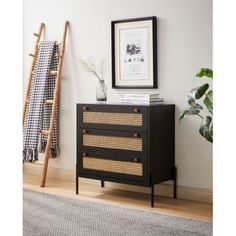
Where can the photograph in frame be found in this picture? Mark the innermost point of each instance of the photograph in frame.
(134, 53)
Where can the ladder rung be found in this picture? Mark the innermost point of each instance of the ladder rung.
(45, 101)
(32, 55)
(35, 34)
(57, 43)
(38, 163)
(58, 55)
(45, 132)
(52, 72)
(48, 101)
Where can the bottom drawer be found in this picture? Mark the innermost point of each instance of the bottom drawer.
(133, 167)
(121, 167)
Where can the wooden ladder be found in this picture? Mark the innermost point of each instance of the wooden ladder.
(55, 100)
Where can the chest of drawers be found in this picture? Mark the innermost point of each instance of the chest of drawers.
(126, 144)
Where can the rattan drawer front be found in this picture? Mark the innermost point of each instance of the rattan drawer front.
(121, 167)
(113, 118)
(123, 143)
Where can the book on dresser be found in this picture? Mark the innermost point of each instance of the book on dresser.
(142, 95)
(131, 144)
(142, 99)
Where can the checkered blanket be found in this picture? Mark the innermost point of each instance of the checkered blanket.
(38, 113)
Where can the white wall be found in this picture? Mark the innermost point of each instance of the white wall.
(184, 45)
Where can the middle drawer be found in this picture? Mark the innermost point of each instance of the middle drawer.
(110, 141)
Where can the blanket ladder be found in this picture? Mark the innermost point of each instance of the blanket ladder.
(55, 100)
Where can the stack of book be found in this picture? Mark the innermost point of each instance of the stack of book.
(142, 99)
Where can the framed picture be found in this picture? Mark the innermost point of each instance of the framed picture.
(134, 53)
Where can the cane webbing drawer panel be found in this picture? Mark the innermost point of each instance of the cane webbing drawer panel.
(120, 167)
(123, 143)
(113, 118)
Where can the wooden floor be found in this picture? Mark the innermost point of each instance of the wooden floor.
(121, 198)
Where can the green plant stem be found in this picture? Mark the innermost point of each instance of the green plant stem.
(200, 116)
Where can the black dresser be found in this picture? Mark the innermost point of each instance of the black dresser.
(126, 144)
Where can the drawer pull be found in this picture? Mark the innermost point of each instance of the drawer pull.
(85, 131)
(85, 154)
(136, 135)
(85, 108)
(136, 110)
(136, 160)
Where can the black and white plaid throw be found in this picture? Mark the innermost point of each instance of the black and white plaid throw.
(38, 113)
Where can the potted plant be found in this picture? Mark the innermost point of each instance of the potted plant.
(206, 127)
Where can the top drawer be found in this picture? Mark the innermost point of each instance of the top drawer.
(112, 117)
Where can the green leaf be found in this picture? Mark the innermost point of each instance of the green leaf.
(197, 93)
(211, 127)
(193, 111)
(206, 129)
(208, 101)
(183, 114)
(197, 106)
(204, 72)
(191, 100)
(194, 105)
(189, 112)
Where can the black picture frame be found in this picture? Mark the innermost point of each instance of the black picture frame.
(116, 27)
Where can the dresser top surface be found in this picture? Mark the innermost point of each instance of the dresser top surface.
(121, 104)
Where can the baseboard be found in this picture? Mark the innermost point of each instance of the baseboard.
(164, 189)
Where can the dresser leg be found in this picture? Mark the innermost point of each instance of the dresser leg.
(175, 183)
(102, 183)
(152, 195)
(77, 185)
(77, 180)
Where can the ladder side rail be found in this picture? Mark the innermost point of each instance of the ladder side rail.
(38, 35)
